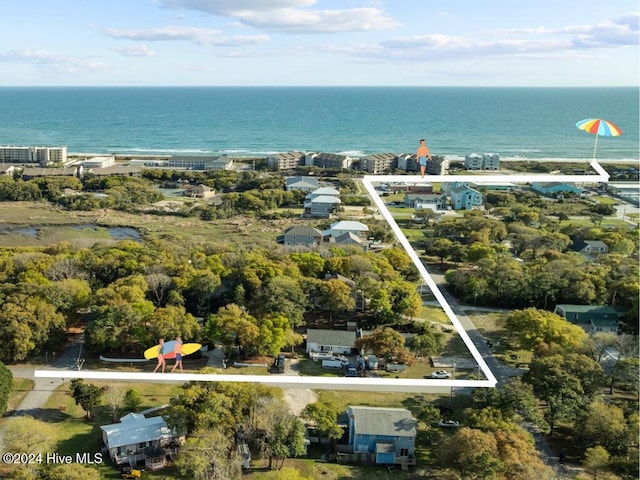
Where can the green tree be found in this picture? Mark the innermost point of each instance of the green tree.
(535, 327)
(86, 395)
(6, 384)
(386, 343)
(440, 247)
(519, 457)
(337, 297)
(566, 382)
(324, 416)
(27, 324)
(233, 326)
(311, 264)
(284, 296)
(27, 435)
(430, 342)
(603, 424)
(473, 453)
(283, 432)
(596, 459)
(209, 454)
(132, 400)
(173, 321)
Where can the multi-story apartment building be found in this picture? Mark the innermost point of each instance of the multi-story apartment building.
(42, 155)
(331, 160)
(285, 161)
(204, 162)
(379, 162)
(484, 161)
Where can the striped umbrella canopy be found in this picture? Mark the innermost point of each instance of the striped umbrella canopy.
(599, 126)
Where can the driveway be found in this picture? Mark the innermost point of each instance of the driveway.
(44, 387)
(297, 398)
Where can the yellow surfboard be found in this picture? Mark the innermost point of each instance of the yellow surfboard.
(169, 349)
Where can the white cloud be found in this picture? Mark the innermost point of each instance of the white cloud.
(135, 51)
(200, 36)
(534, 43)
(319, 21)
(291, 16)
(50, 60)
(231, 7)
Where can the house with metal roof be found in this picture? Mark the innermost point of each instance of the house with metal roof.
(306, 184)
(551, 189)
(385, 436)
(129, 441)
(301, 235)
(592, 318)
(346, 226)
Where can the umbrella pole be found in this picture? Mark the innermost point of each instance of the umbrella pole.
(595, 147)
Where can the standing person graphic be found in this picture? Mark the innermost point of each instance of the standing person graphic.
(178, 351)
(161, 361)
(423, 153)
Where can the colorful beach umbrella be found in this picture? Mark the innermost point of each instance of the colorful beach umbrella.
(598, 126)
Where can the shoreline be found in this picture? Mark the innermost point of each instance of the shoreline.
(454, 158)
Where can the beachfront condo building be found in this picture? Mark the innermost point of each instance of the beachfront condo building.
(286, 160)
(379, 162)
(330, 160)
(42, 155)
(482, 161)
(201, 162)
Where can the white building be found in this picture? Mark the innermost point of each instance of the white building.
(347, 226)
(286, 160)
(99, 162)
(484, 161)
(42, 155)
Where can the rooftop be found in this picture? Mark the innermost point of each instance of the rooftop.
(134, 429)
(351, 225)
(396, 422)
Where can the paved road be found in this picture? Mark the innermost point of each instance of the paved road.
(44, 387)
(502, 372)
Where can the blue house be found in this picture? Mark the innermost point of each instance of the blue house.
(465, 198)
(551, 189)
(384, 436)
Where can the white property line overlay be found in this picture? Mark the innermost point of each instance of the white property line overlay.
(346, 383)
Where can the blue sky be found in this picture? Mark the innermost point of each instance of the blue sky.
(320, 42)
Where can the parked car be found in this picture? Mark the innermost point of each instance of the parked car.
(448, 423)
(440, 374)
(344, 361)
(351, 371)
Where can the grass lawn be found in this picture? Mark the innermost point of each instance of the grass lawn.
(489, 324)
(432, 313)
(76, 434)
(605, 200)
(311, 368)
(21, 387)
(318, 470)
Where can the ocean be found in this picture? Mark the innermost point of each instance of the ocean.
(528, 123)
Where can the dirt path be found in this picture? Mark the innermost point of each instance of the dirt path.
(297, 398)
